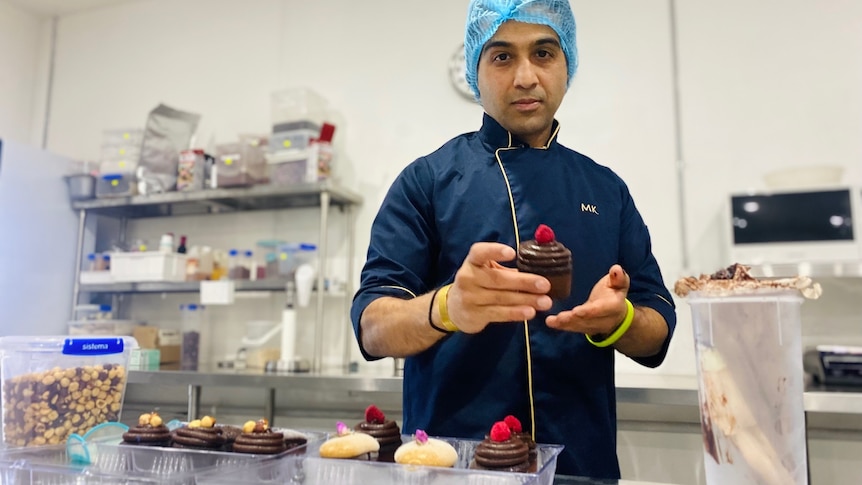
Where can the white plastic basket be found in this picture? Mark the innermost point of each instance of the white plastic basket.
(148, 266)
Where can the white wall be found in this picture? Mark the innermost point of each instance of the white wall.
(22, 40)
(764, 85)
(384, 71)
(769, 85)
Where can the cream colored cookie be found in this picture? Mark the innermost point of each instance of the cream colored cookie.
(433, 452)
(349, 446)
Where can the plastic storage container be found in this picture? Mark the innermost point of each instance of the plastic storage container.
(121, 152)
(240, 164)
(55, 386)
(123, 137)
(294, 105)
(292, 167)
(293, 135)
(116, 185)
(749, 365)
(119, 165)
(310, 469)
(102, 327)
(148, 266)
(291, 255)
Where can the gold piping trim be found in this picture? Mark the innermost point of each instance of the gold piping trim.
(526, 325)
(553, 135)
(399, 288)
(664, 300)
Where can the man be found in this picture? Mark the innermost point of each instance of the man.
(481, 339)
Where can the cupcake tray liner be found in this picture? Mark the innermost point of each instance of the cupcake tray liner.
(130, 464)
(311, 469)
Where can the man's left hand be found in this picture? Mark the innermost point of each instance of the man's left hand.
(602, 312)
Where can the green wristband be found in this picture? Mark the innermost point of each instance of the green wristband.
(620, 331)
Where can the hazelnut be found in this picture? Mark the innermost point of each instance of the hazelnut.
(248, 427)
(195, 424)
(208, 422)
(261, 425)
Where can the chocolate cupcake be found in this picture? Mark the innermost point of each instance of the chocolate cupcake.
(150, 431)
(546, 257)
(501, 451)
(525, 436)
(200, 434)
(257, 438)
(386, 432)
(293, 439)
(230, 434)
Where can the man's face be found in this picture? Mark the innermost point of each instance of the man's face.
(522, 77)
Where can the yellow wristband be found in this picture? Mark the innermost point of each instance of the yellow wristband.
(620, 331)
(443, 306)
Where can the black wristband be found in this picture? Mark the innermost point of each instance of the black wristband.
(430, 311)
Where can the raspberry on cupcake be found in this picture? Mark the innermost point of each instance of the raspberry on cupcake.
(501, 451)
(385, 431)
(545, 256)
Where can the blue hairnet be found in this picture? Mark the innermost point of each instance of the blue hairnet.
(484, 17)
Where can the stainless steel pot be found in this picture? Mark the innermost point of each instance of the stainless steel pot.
(81, 186)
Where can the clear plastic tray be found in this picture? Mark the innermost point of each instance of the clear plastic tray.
(127, 464)
(310, 469)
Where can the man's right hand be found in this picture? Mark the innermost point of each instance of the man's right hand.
(485, 291)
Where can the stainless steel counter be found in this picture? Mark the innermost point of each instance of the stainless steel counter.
(639, 389)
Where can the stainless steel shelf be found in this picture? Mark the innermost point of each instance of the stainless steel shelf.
(275, 284)
(214, 201)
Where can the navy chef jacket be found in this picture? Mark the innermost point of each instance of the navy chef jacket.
(459, 195)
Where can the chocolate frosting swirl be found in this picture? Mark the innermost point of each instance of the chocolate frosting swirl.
(264, 443)
(147, 434)
(544, 259)
(493, 454)
(386, 433)
(209, 438)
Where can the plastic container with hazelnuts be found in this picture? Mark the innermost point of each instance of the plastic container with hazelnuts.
(55, 386)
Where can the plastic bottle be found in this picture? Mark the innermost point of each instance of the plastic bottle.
(166, 243)
(91, 263)
(191, 331)
(106, 261)
(182, 247)
(193, 264)
(250, 264)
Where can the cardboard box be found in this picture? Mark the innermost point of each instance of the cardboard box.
(170, 354)
(165, 341)
(147, 336)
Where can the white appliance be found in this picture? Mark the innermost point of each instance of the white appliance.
(38, 237)
(815, 226)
